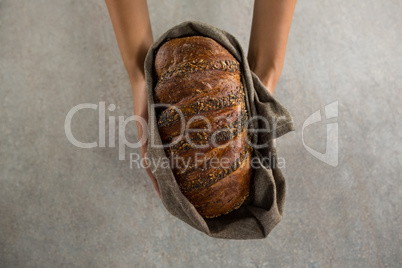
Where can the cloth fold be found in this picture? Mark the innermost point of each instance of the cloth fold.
(263, 209)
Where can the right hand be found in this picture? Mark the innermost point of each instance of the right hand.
(141, 109)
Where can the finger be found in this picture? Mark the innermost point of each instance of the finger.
(154, 181)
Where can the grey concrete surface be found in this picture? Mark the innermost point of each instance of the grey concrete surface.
(63, 206)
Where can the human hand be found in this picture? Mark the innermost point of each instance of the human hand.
(132, 28)
(141, 109)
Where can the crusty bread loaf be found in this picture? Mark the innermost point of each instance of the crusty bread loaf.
(211, 161)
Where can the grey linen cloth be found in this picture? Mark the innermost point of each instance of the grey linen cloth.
(263, 209)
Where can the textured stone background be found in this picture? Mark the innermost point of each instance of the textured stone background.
(62, 206)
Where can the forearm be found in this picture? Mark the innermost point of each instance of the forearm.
(269, 36)
(132, 27)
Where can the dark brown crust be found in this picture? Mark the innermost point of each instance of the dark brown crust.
(201, 78)
(201, 83)
(225, 195)
(189, 50)
(186, 69)
(213, 126)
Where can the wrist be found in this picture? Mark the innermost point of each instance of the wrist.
(137, 78)
(140, 103)
(268, 70)
(268, 78)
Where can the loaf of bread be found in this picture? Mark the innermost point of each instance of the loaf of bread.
(203, 125)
